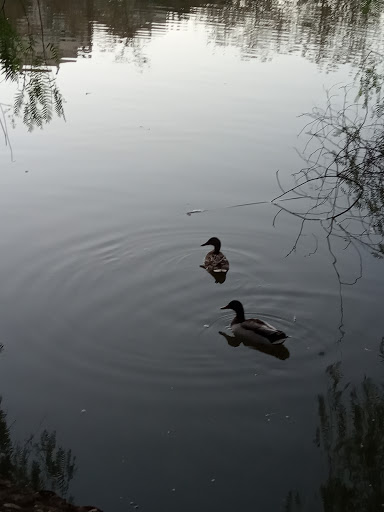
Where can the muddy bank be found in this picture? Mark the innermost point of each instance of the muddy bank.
(13, 498)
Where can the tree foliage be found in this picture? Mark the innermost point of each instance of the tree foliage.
(38, 96)
(342, 184)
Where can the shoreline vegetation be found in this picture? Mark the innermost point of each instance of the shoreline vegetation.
(36, 474)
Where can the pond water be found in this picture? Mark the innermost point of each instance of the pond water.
(110, 328)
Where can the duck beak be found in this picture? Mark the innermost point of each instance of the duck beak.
(225, 307)
(202, 245)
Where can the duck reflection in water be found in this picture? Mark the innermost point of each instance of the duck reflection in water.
(215, 262)
(278, 351)
(219, 277)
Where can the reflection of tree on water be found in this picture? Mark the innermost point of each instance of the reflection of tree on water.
(341, 186)
(350, 433)
(328, 32)
(38, 463)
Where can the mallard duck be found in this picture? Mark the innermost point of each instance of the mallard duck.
(253, 329)
(215, 261)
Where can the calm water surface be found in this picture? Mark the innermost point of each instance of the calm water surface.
(103, 306)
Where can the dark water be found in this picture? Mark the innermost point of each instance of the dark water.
(103, 306)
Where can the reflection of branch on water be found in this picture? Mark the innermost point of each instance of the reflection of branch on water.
(341, 187)
(4, 127)
(382, 349)
(38, 96)
(351, 422)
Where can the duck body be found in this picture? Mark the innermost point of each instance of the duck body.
(253, 329)
(215, 261)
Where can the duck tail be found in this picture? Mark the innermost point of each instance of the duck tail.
(279, 337)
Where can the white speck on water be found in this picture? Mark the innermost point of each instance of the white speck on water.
(83, 411)
(367, 349)
(213, 480)
(256, 374)
(294, 318)
(206, 326)
(287, 417)
(173, 490)
(269, 419)
(269, 414)
(361, 446)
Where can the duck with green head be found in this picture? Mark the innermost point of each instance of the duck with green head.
(253, 329)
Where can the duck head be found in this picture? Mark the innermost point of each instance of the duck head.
(215, 242)
(237, 308)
